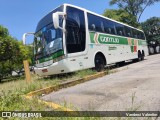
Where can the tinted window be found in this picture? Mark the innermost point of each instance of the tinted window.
(120, 29)
(135, 34)
(109, 27)
(140, 35)
(95, 23)
(128, 31)
(47, 19)
(75, 26)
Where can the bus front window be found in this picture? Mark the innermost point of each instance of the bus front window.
(47, 41)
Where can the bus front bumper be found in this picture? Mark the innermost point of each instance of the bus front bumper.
(56, 68)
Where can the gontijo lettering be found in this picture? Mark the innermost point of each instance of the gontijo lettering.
(109, 39)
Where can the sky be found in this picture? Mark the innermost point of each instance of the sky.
(21, 16)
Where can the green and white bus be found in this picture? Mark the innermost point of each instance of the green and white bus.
(71, 38)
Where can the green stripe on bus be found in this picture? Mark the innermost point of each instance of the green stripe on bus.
(140, 42)
(53, 56)
(92, 37)
(109, 39)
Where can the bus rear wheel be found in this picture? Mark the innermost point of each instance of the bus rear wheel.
(99, 63)
(139, 56)
(142, 55)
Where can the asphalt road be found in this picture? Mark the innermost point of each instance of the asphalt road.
(136, 88)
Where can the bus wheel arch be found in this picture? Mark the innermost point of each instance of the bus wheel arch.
(99, 61)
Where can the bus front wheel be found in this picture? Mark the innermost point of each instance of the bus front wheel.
(99, 63)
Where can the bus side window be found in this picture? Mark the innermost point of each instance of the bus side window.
(128, 34)
(134, 33)
(138, 34)
(109, 30)
(128, 31)
(120, 33)
(75, 26)
(96, 21)
(120, 29)
(109, 27)
(102, 26)
(93, 27)
(142, 36)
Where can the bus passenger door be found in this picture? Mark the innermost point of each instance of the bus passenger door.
(75, 26)
(75, 35)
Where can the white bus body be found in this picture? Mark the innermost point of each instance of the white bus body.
(84, 40)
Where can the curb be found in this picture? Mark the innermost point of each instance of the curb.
(47, 90)
(50, 104)
(50, 89)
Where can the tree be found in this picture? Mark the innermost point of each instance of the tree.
(12, 53)
(122, 16)
(134, 7)
(8, 51)
(25, 53)
(3, 31)
(151, 27)
(8, 48)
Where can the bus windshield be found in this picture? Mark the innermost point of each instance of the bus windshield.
(47, 41)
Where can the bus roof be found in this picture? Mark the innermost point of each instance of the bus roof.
(49, 17)
(65, 4)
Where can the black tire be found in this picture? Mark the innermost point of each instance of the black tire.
(142, 56)
(99, 63)
(139, 56)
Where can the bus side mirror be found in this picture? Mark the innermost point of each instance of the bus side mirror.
(24, 36)
(56, 17)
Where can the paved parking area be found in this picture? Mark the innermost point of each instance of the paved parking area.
(136, 88)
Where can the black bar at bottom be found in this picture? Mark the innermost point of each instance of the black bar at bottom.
(25, 114)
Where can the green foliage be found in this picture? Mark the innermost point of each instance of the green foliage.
(9, 47)
(25, 53)
(8, 51)
(12, 53)
(151, 27)
(11, 99)
(3, 31)
(122, 16)
(133, 7)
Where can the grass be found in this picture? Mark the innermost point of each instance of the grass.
(22, 86)
(11, 91)
(11, 99)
